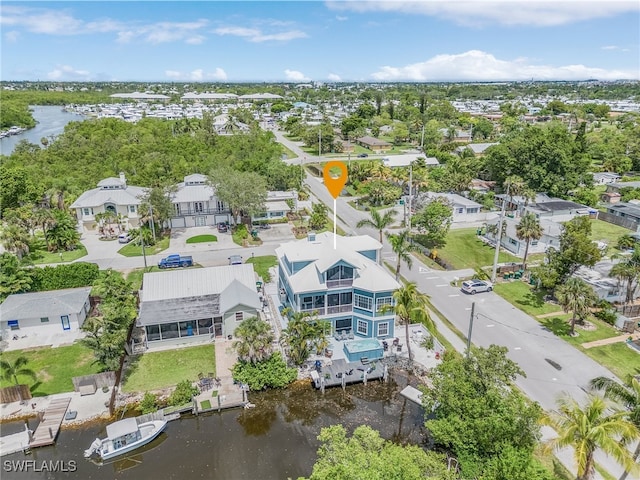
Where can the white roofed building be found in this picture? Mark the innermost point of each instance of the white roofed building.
(195, 204)
(345, 285)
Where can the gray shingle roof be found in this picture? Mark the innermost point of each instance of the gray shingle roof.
(43, 304)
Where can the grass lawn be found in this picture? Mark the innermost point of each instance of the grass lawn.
(607, 232)
(262, 265)
(39, 257)
(617, 357)
(135, 276)
(202, 239)
(156, 370)
(522, 296)
(133, 250)
(465, 250)
(54, 367)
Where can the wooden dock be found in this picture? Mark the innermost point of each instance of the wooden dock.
(47, 431)
(341, 373)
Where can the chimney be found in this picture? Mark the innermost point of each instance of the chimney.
(123, 179)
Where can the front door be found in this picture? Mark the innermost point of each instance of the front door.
(65, 322)
(201, 221)
(217, 326)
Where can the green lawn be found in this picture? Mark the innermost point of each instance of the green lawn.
(156, 370)
(202, 239)
(39, 257)
(617, 357)
(54, 367)
(135, 276)
(607, 232)
(465, 250)
(522, 296)
(134, 250)
(262, 265)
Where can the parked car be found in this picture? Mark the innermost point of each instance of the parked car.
(222, 227)
(474, 286)
(124, 238)
(235, 260)
(363, 155)
(175, 260)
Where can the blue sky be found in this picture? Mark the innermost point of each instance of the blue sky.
(302, 41)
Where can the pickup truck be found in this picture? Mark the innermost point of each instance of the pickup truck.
(176, 260)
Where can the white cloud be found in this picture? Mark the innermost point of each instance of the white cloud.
(332, 77)
(341, 18)
(295, 76)
(197, 75)
(164, 32)
(257, 36)
(66, 72)
(482, 66)
(506, 12)
(12, 36)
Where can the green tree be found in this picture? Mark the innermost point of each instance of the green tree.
(183, 393)
(434, 221)
(13, 277)
(596, 425)
(156, 206)
(629, 396)
(318, 219)
(253, 340)
(149, 403)
(15, 239)
(10, 371)
(367, 455)
(627, 271)
(528, 229)
(411, 305)
(577, 297)
(299, 336)
(63, 234)
(17, 187)
(244, 192)
(576, 248)
(271, 373)
(378, 221)
(402, 247)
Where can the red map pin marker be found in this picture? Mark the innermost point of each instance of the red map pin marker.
(335, 177)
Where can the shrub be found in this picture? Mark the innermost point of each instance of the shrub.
(607, 313)
(149, 403)
(271, 373)
(72, 275)
(183, 393)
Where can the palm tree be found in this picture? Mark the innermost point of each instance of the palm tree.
(298, 337)
(411, 305)
(378, 221)
(528, 229)
(577, 297)
(597, 425)
(15, 239)
(10, 371)
(44, 218)
(401, 246)
(254, 339)
(627, 271)
(629, 396)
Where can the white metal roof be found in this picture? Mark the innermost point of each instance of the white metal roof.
(277, 206)
(192, 193)
(407, 159)
(118, 196)
(43, 304)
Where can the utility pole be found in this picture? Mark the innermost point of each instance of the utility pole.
(410, 192)
(422, 140)
(495, 257)
(320, 141)
(473, 309)
(153, 225)
(144, 254)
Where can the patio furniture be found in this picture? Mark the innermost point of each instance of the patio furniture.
(385, 345)
(337, 335)
(343, 336)
(350, 335)
(399, 347)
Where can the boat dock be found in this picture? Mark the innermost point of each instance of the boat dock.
(412, 394)
(341, 373)
(158, 415)
(47, 430)
(16, 442)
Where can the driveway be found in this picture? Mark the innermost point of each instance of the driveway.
(179, 237)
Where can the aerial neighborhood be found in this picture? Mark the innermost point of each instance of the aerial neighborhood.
(175, 251)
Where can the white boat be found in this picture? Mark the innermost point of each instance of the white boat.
(124, 436)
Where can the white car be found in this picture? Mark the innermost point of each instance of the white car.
(124, 238)
(474, 286)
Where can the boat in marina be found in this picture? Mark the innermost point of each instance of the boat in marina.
(124, 436)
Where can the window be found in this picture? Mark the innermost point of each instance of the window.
(132, 209)
(239, 316)
(344, 298)
(383, 329)
(198, 207)
(512, 241)
(363, 327)
(177, 208)
(461, 210)
(169, 330)
(153, 333)
(306, 303)
(362, 302)
(187, 329)
(534, 243)
(220, 206)
(343, 324)
(204, 324)
(383, 303)
(65, 322)
(340, 272)
(87, 211)
(13, 324)
(44, 319)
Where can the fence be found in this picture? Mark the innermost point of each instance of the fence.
(104, 379)
(620, 221)
(15, 393)
(629, 311)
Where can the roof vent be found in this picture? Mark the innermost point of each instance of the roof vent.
(311, 236)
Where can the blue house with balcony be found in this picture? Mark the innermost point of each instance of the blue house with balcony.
(344, 285)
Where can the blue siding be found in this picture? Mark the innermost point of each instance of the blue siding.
(287, 264)
(370, 254)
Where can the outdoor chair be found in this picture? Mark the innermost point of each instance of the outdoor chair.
(350, 335)
(343, 336)
(337, 335)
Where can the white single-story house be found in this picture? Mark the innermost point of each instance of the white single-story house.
(409, 158)
(606, 288)
(45, 318)
(195, 204)
(627, 210)
(112, 195)
(463, 209)
(550, 236)
(605, 178)
(544, 206)
(277, 205)
(478, 149)
(195, 305)
(615, 187)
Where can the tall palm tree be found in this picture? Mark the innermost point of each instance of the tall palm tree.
(528, 229)
(298, 337)
(597, 425)
(629, 396)
(15, 239)
(254, 340)
(577, 297)
(411, 305)
(627, 271)
(43, 217)
(401, 246)
(10, 371)
(378, 221)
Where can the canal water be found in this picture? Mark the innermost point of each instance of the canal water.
(275, 440)
(51, 122)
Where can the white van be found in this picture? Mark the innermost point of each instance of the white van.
(124, 238)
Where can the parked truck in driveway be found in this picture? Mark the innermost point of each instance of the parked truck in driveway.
(173, 261)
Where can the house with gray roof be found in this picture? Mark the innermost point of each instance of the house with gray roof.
(478, 149)
(37, 319)
(463, 209)
(616, 187)
(627, 210)
(112, 195)
(196, 305)
(277, 206)
(195, 204)
(550, 236)
(344, 285)
(374, 144)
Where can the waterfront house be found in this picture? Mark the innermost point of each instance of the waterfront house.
(112, 195)
(44, 318)
(195, 204)
(196, 305)
(344, 285)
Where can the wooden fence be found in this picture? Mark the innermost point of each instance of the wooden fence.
(620, 221)
(104, 379)
(15, 393)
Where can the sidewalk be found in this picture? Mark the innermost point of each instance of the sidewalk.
(610, 340)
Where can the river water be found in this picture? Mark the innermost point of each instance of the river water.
(51, 122)
(275, 440)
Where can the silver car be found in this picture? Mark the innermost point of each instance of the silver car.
(474, 286)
